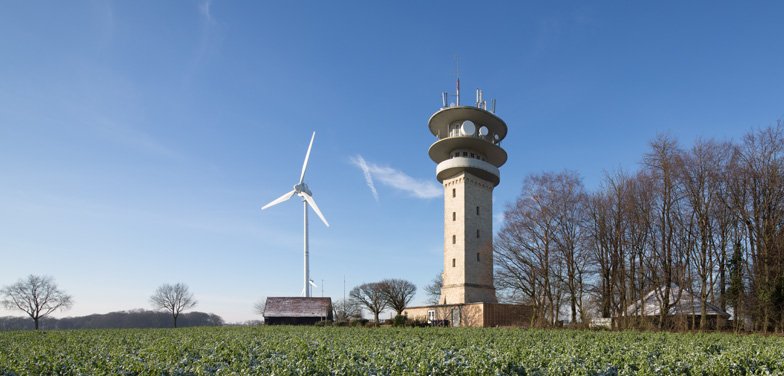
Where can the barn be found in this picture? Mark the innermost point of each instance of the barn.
(685, 309)
(297, 310)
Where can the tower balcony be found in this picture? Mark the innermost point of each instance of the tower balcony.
(477, 167)
(483, 150)
(443, 123)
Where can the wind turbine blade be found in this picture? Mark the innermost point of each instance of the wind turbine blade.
(313, 205)
(313, 284)
(307, 156)
(279, 200)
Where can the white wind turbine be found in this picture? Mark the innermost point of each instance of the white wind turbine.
(301, 189)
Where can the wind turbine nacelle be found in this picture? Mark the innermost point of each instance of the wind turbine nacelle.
(302, 187)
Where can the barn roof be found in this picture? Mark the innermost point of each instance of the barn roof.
(297, 307)
(682, 301)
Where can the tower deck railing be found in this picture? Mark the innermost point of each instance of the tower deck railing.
(456, 133)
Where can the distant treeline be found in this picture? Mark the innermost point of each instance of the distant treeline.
(123, 319)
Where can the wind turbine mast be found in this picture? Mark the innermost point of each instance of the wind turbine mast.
(307, 254)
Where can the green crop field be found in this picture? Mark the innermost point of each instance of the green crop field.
(384, 351)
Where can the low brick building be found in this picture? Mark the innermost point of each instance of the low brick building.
(480, 315)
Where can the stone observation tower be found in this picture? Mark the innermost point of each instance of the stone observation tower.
(468, 154)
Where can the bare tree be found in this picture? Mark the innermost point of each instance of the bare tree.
(173, 298)
(370, 296)
(37, 296)
(700, 177)
(761, 167)
(398, 293)
(346, 309)
(668, 252)
(433, 290)
(259, 306)
(529, 266)
(569, 207)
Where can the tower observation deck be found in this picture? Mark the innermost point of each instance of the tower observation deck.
(469, 139)
(468, 155)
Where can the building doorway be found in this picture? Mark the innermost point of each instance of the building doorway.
(455, 316)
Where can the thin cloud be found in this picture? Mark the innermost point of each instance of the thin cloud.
(396, 179)
(204, 9)
(360, 162)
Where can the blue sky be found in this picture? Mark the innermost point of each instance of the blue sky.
(138, 140)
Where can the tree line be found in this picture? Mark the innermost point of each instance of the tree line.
(708, 219)
(140, 318)
(39, 296)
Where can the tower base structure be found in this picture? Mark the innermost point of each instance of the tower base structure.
(476, 315)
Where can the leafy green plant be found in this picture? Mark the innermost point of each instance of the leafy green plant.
(282, 350)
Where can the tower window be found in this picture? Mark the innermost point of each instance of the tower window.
(477, 257)
(454, 192)
(454, 216)
(454, 239)
(477, 210)
(453, 263)
(472, 155)
(465, 153)
(477, 233)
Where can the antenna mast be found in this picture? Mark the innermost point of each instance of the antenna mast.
(457, 71)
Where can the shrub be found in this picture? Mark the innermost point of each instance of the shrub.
(399, 320)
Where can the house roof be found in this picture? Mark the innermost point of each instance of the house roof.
(297, 307)
(682, 302)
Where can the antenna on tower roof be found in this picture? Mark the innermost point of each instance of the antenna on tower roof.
(457, 94)
(457, 71)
